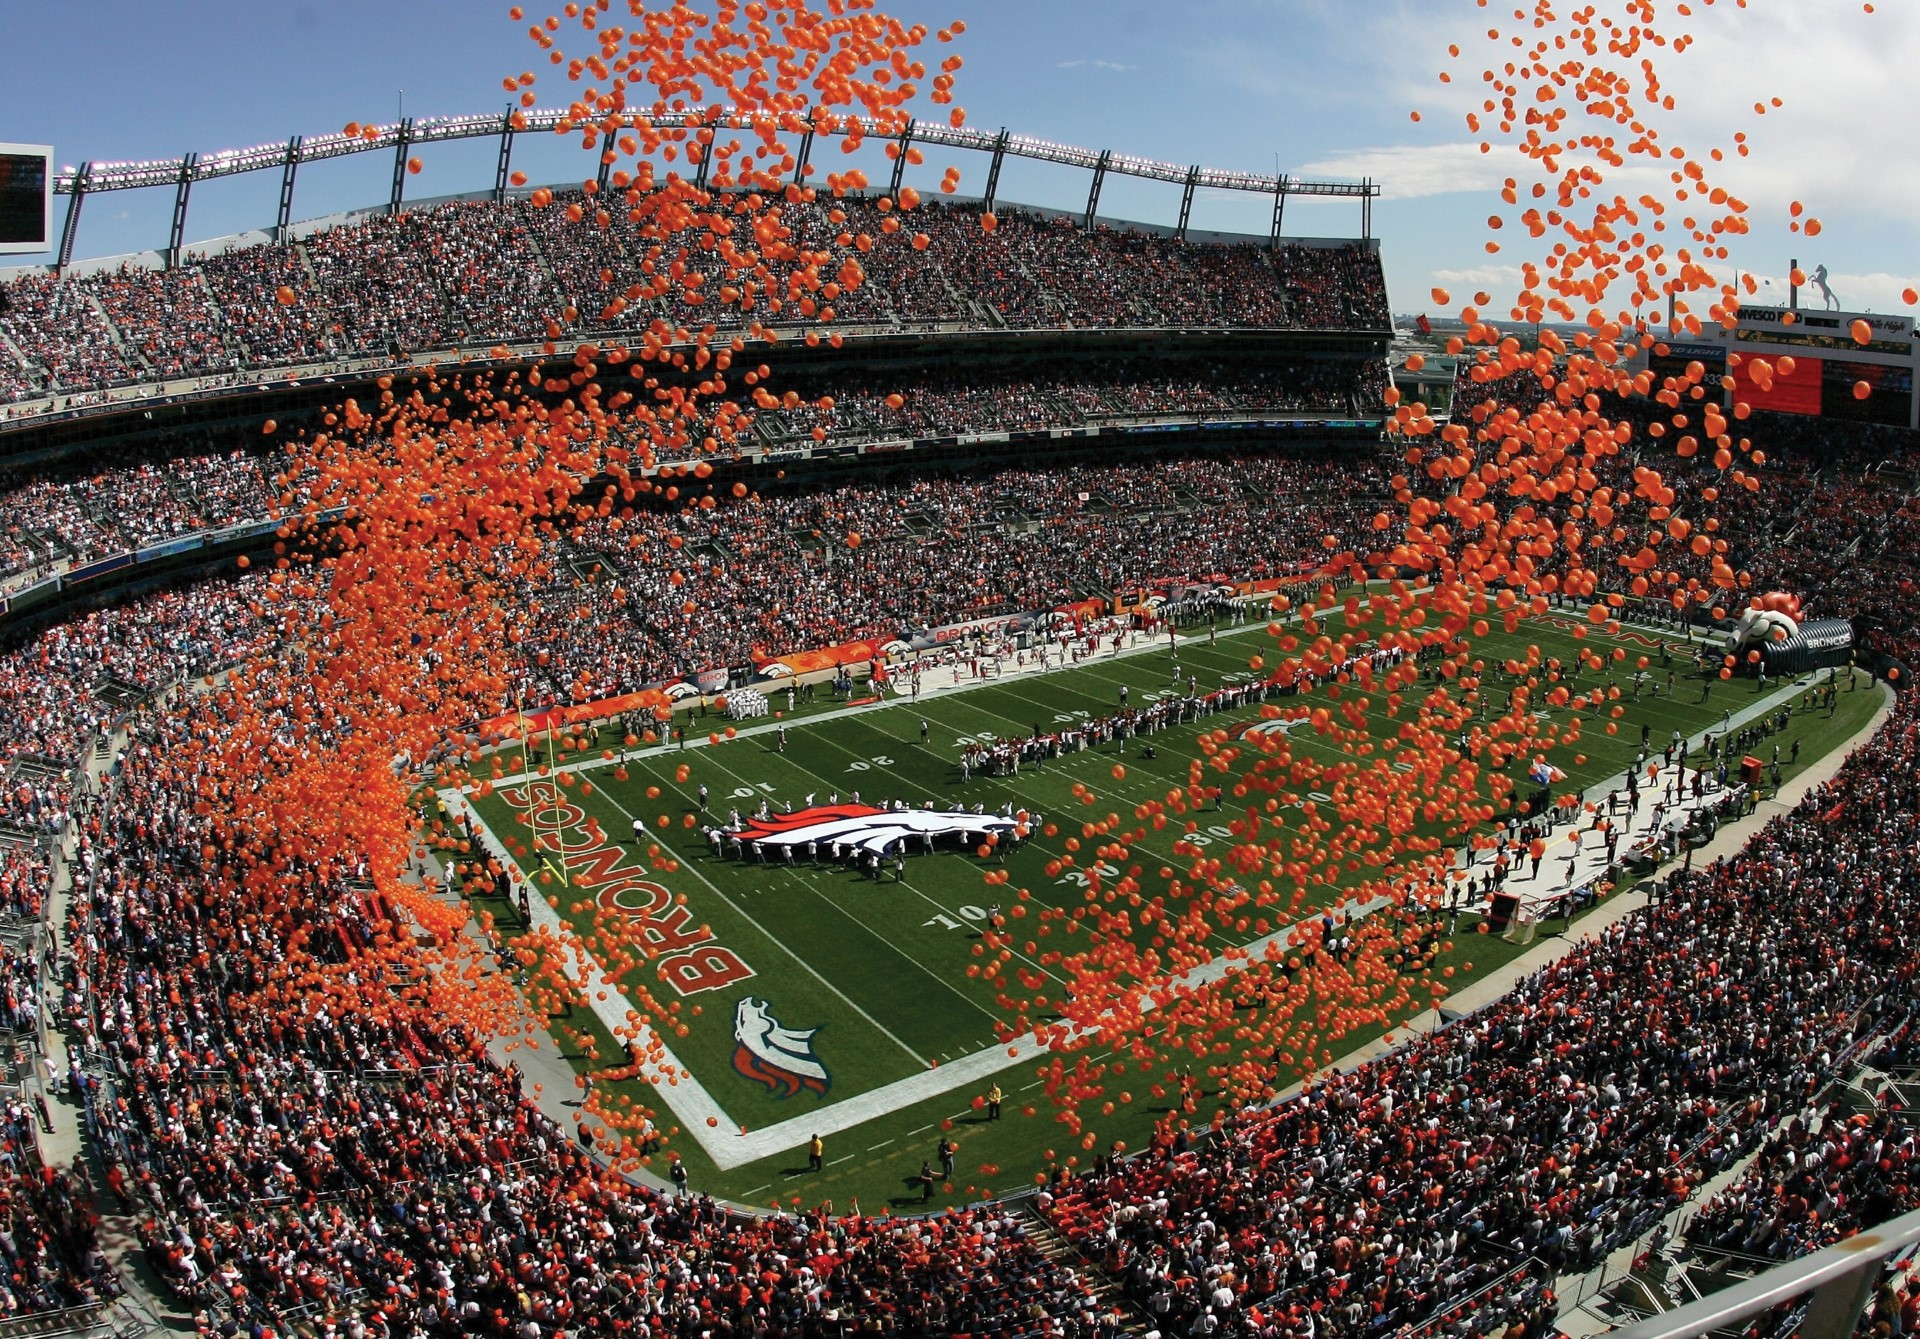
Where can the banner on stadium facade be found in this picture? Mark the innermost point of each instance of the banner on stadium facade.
(711, 680)
(824, 658)
(926, 639)
(875, 651)
(1171, 590)
(510, 725)
(99, 569)
(171, 547)
(1306, 571)
(1081, 611)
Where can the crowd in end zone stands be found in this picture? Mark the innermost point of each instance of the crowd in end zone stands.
(775, 572)
(479, 273)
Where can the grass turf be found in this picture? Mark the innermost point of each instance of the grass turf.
(881, 968)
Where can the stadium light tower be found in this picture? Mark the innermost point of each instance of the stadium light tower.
(1099, 179)
(179, 229)
(401, 141)
(287, 171)
(1186, 201)
(181, 173)
(502, 168)
(72, 225)
(800, 160)
(993, 168)
(900, 160)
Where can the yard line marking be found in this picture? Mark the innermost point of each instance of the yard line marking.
(756, 1190)
(898, 951)
(849, 1158)
(879, 1146)
(922, 1130)
(771, 938)
(941, 906)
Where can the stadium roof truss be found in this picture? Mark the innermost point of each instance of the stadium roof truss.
(287, 156)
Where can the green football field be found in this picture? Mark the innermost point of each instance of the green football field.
(807, 997)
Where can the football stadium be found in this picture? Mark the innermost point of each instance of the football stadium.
(730, 727)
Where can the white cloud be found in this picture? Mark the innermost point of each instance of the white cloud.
(1480, 276)
(1836, 143)
(1413, 171)
(1114, 66)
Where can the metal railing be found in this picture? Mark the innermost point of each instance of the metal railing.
(1836, 1282)
(108, 176)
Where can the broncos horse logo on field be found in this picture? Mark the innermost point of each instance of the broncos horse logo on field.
(864, 828)
(780, 1057)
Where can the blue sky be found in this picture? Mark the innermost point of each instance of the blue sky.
(1318, 87)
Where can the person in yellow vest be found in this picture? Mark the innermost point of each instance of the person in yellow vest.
(994, 1099)
(816, 1153)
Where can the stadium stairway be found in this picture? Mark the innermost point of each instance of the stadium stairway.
(144, 1307)
(228, 330)
(135, 356)
(11, 352)
(1053, 1244)
(1616, 1292)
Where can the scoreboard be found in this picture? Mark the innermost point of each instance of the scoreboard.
(26, 198)
(1806, 361)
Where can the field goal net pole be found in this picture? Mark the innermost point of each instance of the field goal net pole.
(553, 863)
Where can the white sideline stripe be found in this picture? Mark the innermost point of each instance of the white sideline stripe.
(684, 1094)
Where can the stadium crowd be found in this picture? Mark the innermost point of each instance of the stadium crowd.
(289, 1164)
(75, 514)
(305, 1168)
(1817, 1180)
(72, 514)
(294, 1168)
(467, 273)
(932, 550)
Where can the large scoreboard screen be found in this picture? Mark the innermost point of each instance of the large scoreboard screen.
(1854, 366)
(1789, 385)
(26, 198)
(1888, 394)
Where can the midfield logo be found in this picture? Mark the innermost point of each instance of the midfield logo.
(863, 828)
